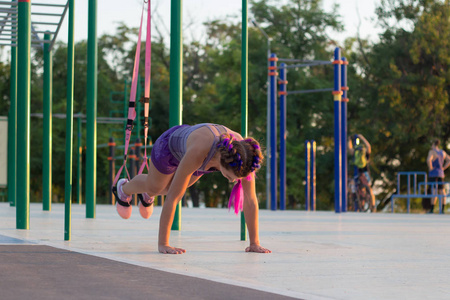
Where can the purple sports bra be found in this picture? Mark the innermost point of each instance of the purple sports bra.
(178, 140)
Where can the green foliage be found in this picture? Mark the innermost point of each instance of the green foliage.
(298, 30)
(402, 103)
(399, 91)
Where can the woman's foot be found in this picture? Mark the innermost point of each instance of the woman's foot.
(123, 205)
(145, 205)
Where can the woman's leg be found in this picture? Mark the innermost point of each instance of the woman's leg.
(153, 183)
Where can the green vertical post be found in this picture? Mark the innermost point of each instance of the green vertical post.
(69, 124)
(91, 112)
(79, 161)
(12, 126)
(176, 79)
(47, 129)
(244, 92)
(23, 116)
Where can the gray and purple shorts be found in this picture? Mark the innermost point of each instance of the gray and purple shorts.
(162, 158)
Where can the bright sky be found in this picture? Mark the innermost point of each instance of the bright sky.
(195, 12)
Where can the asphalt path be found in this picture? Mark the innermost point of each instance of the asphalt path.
(43, 272)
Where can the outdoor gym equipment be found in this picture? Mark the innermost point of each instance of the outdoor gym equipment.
(415, 190)
(339, 92)
(310, 175)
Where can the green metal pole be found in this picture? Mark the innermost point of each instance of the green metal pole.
(69, 124)
(12, 127)
(176, 79)
(91, 112)
(47, 129)
(23, 116)
(79, 162)
(244, 92)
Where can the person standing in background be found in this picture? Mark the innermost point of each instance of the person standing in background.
(437, 161)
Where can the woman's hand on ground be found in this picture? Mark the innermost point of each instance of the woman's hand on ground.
(170, 250)
(257, 248)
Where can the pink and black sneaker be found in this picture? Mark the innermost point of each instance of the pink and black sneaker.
(123, 205)
(146, 205)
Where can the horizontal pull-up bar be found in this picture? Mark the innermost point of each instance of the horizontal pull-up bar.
(120, 147)
(103, 120)
(15, 45)
(299, 60)
(45, 23)
(309, 91)
(290, 60)
(48, 4)
(10, 3)
(9, 10)
(43, 31)
(45, 14)
(309, 64)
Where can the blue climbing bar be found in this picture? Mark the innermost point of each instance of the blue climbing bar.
(344, 89)
(283, 114)
(273, 129)
(337, 95)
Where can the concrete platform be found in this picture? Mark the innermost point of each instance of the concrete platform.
(320, 255)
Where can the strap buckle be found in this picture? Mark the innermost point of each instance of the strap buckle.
(129, 125)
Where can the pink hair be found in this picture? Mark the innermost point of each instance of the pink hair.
(237, 195)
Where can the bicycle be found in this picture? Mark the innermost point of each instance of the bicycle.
(359, 196)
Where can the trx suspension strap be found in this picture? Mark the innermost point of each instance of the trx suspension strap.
(148, 63)
(132, 101)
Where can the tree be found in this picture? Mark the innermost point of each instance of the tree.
(402, 101)
(299, 30)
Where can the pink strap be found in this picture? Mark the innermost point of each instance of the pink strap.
(120, 171)
(148, 53)
(131, 109)
(148, 64)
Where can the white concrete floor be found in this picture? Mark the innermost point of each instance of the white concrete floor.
(316, 255)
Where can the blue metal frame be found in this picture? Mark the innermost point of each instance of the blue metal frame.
(416, 192)
(273, 129)
(337, 132)
(344, 101)
(282, 92)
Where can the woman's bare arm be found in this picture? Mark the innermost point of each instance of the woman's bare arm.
(251, 213)
(191, 161)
